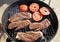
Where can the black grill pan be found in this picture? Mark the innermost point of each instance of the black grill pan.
(49, 33)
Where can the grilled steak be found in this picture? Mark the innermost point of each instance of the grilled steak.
(39, 26)
(20, 24)
(21, 15)
(29, 36)
(23, 24)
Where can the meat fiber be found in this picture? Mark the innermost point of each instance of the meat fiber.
(40, 26)
(19, 24)
(21, 15)
(29, 36)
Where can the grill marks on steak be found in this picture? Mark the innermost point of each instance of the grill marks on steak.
(21, 15)
(40, 26)
(29, 36)
(19, 24)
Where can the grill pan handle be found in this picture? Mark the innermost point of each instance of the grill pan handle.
(48, 2)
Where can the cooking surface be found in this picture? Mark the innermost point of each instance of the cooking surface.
(54, 4)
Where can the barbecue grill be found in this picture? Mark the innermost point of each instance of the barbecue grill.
(48, 33)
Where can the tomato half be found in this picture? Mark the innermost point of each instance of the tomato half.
(37, 16)
(23, 8)
(34, 7)
(44, 11)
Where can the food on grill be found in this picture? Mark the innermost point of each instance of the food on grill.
(44, 11)
(19, 24)
(40, 26)
(23, 24)
(29, 36)
(21, 15)
(23, 8)
(34, 7)
(37, 16)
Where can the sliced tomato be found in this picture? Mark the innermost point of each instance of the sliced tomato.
(44, 11)
(34, 7)
(23, 8)
(37, 16)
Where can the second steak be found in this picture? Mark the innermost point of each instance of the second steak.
(39, 26)
(19, 24)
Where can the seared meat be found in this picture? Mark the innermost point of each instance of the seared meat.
(20, 24)
(35, 25)
(29, 36)
(23, 24)
(39, 26)
(21, 15)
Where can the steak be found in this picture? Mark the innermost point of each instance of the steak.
(21, 15)
(29, 36)
(23, 24)
(40, 26)
(19, 24)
